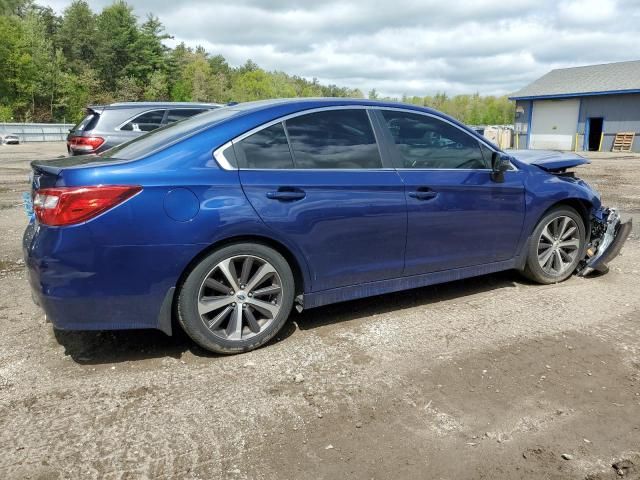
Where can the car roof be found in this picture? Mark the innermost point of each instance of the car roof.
(292, 105)
(318, 102)
(137, 105)
(284, 106)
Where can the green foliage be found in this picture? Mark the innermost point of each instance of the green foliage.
(116, 36)
(6, 114)
(157, 88)
(11, 7)
(470, 109)
(76, 35)
(54, 66)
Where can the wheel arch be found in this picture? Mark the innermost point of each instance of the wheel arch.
(580, 205)
(167, 321)
(293, 261)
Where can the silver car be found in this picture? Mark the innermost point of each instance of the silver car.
(9, 139)
(106, 126)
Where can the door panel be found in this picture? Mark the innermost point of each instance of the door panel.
(457, 216)
(350, 225)
(467, 220)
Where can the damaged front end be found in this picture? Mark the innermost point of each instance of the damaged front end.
(608, 234)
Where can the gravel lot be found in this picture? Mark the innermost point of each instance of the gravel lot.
(490, 378)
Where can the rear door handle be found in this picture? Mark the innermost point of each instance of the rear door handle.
(287, 195)
(423, 193)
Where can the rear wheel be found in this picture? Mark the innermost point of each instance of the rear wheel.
(237, 298)
(556, 247)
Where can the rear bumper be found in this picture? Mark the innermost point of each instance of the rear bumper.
(609, 245)
(84, 286)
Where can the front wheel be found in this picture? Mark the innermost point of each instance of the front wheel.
(237, 298)
(556, 246)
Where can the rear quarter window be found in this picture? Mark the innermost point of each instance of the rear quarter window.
(266, 149)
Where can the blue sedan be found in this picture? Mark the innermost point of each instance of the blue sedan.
(223, 222)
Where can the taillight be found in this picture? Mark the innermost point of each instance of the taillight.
(85, 144)
(69, 205)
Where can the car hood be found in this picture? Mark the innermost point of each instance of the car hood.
(549, 160)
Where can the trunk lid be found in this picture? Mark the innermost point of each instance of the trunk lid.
(549, 160)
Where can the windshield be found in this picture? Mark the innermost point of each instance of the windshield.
(165, 136)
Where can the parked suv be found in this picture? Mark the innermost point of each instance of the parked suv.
(106, 126)
(227, 220)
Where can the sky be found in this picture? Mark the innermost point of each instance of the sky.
(411, 47)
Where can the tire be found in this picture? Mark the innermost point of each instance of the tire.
(238, 319)
(556, 246)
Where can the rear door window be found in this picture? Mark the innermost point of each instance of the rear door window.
(333, 139)
(266, 149)
(182, 113)
(145, 122)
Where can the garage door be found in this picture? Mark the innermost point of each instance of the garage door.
(553, 124)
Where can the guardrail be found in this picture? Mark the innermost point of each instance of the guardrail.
(36, 132)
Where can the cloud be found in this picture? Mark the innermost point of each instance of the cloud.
(413, 47)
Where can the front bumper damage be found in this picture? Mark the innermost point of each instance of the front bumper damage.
(608, 234)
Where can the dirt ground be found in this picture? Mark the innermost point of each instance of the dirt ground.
(489, 378)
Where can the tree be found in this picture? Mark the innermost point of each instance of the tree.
(10, 38)
(128, 90)
(195, 77)
(157, 87)
(37, 73)
(219, 65)
(116, 36)
(79, 24)
(79, 90)
(253, 85)
(150, 55)
(12, 7)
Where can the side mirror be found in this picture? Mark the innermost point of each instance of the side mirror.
(500, 163)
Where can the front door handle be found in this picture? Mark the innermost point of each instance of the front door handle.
(287, 195)
(423, 193)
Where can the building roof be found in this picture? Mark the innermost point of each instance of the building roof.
(605, 79)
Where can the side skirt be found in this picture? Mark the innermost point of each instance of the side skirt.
(342, 294)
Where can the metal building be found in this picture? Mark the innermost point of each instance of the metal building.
(581, 108)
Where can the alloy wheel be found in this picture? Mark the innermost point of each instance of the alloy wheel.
(558, 245)
(240, 297)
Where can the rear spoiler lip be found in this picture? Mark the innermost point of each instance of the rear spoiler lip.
(41, 166)
(97, 109)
